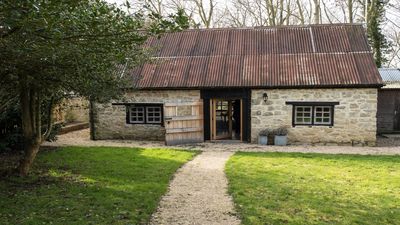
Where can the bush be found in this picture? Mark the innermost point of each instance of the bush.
(265, 132)
(281, 131)
(54, 132)
(10, 123)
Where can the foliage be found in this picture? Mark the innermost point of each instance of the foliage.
(54, 132)
(10, 123)
(69, 116)
(58, 47)
(265, 132)
(378, 42)
(281, 131)
(293, 188)
(73, 45)
(97, 185)
(11, 137)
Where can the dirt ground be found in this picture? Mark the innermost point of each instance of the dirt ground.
(385, 145)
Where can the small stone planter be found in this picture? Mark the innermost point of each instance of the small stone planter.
(262, 140)
(281, 140)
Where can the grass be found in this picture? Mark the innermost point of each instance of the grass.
(96, 185)
(294, 188)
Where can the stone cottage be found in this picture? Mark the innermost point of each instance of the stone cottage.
(319, 81)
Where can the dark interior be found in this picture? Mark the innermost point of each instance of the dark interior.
(233, 95)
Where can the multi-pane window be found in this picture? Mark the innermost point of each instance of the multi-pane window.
(136, 114)
(323, 115)
(303, 114)
(145, 114)
(153, 114)
(313, 113)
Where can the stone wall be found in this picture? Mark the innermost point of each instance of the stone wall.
(110, 120)
(75, 109)
(354, 118)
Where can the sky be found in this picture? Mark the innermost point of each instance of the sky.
(391, 26)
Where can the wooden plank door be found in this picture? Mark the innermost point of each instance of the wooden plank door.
(183, 123)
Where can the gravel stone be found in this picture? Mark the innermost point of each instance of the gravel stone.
(198, 194)
(386, 145)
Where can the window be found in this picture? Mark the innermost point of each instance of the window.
(144, 114)
(303, 114)
(136, 114)
(322, 115)
(153, 114)
(313, 113)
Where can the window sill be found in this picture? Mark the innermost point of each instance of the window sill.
(314, 125)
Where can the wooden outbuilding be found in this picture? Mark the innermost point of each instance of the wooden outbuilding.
(388, 116)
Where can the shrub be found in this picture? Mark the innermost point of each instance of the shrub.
(54, 132)
(281, 131)
(265, 132)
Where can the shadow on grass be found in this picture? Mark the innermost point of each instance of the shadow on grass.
(102, 185)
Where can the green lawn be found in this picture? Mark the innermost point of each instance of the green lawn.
(290, 188)
(101, 185)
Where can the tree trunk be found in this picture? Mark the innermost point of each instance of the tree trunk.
(350, 10)
(317, 13)
(31, 151)
(31, 124)
(92, 114)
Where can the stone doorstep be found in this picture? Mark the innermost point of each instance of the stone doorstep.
(74, 127)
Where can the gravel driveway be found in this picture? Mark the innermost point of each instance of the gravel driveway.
(198, 194)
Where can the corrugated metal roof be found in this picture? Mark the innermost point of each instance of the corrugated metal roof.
(389, 74)
(390, 77)
(291, 56)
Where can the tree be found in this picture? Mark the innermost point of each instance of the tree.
(317, 11)
(392, 33)
(377, 39)
(50, 48)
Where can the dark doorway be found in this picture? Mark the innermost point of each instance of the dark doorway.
(226, 119)
(226, 114)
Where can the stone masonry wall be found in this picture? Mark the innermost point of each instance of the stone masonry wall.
(110, 120)
(354, 118)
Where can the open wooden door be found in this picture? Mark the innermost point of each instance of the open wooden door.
(224, 113)
(183, 123)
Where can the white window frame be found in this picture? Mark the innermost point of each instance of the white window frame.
(159, 117)
(131, 111)
(296, 111)
(323, 115)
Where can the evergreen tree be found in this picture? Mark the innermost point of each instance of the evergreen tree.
(376, 13)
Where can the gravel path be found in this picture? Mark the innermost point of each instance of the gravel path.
(198, 194)
(387, 146)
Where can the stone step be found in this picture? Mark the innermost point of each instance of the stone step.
(74, 127)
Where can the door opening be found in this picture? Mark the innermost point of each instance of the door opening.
(226, 119)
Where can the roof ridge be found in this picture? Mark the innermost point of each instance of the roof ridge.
(289, 54)
(275, 27)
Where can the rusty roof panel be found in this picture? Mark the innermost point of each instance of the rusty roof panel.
(299, 56)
